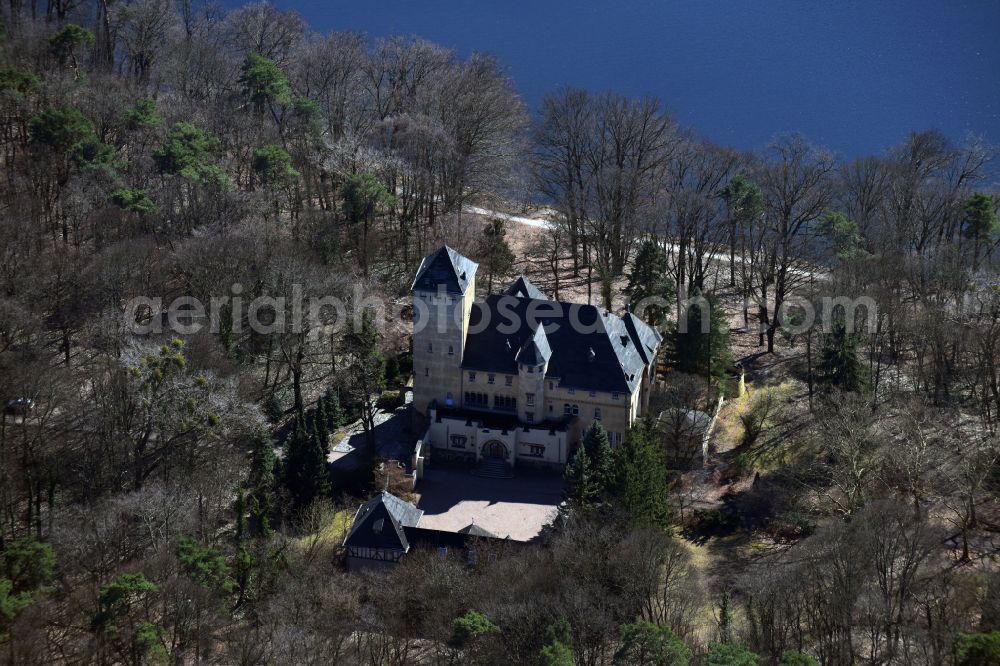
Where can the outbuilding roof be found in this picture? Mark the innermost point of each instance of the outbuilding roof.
(380, 521)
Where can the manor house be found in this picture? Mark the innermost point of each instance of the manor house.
(517, 378)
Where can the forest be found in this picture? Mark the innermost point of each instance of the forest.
(166, 499)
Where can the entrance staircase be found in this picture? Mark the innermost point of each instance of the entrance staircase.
(493, 468)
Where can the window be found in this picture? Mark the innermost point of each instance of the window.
(504, 403)
(572, 391)
(593, 394)
(615, 437)
(430, 348)
(597, 413)
(458, 441)
(449, 399)
(473, 399)
(508, 380)
(614, 396)
(567, 409)
(550, 409)
(536, 450)
(451, 350)
(552, 385)
(531, 369)
(427, 372)
(491, 379)
(576, 410)
(472, 378)
(531, 399)
(443, 551)
(529, 417)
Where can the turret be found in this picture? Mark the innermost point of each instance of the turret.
(443, 292)
(532, 362)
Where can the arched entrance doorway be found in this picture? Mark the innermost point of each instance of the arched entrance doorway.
(495, 449)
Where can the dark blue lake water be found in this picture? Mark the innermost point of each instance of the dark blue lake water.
(855, 76)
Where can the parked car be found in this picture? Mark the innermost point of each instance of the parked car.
(19, 406)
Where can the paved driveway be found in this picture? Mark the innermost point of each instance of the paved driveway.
(393, 437)
(517, 507)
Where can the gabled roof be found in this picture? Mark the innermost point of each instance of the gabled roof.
(445, 269)
(475, 530)
(380, 521)
(522, 288)
(590, 350)
(536, 350)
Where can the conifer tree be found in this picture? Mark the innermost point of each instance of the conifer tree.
(334, 412)
(730, 654)
(642, 477)
(320, 426)
(364, 196)
(792, 658)
(305, 471)
(262, 461)
(556, 654)
(263, 465)
(644, 643)
(744, 203)
(981, 223)
(839, 365)
(558, 642)
(698, 347)
(649, 280)
(497, 257)
(264, 84)
(187, 152)
(581, 490)
(600, 456)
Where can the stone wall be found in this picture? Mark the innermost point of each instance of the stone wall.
(533, 444)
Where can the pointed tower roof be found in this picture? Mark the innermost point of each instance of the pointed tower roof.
(536, 349)
(475, 530)
(445, 268)
(522, 288)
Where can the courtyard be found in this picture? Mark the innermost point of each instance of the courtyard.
(517, 507)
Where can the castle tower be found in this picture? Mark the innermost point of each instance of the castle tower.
(443, 292)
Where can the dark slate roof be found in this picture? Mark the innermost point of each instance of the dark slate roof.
(536, 351)
(590, 350)
(445, 268)
(647, 339)
(475, 530)
(380, 523)
(522, 288)
(422, 536)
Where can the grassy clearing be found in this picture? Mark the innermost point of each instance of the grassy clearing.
(331, 534)
(767, 406)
